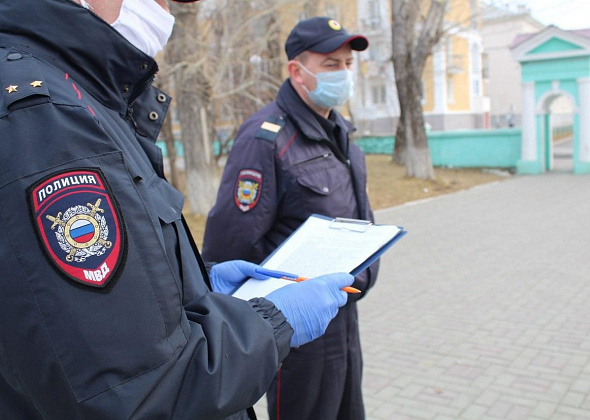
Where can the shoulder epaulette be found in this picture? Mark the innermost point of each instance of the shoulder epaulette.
(20, 78)
(270, 129)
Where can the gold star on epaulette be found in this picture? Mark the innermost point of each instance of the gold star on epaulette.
(11, 88)
(36, 83)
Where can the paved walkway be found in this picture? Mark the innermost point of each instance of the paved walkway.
(483, 310)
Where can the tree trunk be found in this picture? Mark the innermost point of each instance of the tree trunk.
(401, 41)
(411, 127)
(418, 161)
(193, 98)
(200, 165)
(410, 51)
(168, 135)
(400, 146)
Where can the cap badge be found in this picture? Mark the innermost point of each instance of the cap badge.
(334, 25)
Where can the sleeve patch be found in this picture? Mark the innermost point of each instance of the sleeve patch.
(248, 189)
(79, 225)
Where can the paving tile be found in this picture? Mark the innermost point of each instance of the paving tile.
(471, 318)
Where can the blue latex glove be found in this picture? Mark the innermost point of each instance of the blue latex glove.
(310, 305)
(228, 276)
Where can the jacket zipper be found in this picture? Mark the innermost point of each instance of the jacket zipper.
(324, 156)
(338, 153)
(140, 88)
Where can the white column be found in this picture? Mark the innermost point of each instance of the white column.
(529, 132)
(440, 80)
(584, 112)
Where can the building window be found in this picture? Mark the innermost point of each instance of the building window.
(485, 66)
(374, 13)
(476, 59)
(377, 51)
(450, 91)
(449, 51)
(379, 95)
(422, 92)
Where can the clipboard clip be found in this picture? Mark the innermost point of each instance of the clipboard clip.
(355, 225)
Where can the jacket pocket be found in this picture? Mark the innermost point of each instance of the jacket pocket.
(100, 337)
(323, 182)
(167, 203)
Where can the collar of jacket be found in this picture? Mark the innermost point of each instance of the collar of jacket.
(303, 116)
(80, 43)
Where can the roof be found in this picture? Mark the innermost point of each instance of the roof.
(520, 38)
(492, 13)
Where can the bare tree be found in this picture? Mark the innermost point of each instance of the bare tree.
(208, 62)
(311, 8)
(193, 99)
(413, 38)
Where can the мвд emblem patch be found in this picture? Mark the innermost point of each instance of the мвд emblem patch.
(79, 225)
(248, 189)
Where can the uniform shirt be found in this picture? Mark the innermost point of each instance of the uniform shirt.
(105, 312)
(329, 125)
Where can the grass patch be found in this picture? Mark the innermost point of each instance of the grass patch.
(388, 186)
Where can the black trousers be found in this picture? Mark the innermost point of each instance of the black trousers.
(321, 380)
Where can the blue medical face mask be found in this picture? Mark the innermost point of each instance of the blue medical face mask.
(333, 87)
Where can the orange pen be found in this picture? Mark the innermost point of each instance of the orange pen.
(347, 289)
(293, 277)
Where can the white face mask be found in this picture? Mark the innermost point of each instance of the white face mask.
(145, 24)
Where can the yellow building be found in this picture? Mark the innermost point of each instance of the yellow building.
(452, 79)
(245, 62)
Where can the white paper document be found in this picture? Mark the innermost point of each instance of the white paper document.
(321, 246)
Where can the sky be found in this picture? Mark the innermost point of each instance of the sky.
(566, 14)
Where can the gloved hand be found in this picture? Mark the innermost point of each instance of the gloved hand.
(228, 276)
(310, 305)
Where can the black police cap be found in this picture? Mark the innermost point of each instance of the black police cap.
(321, 35)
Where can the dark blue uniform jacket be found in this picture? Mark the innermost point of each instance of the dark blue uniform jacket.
(282, 168)
(104, 308)
(299, 171)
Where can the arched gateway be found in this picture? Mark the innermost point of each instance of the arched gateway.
(554, 63)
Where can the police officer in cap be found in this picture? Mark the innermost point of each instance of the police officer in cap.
(106, 310)
(291, 159)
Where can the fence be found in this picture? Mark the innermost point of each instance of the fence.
(498, 148)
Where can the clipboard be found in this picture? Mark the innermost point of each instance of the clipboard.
(323, 245)
(361, 226)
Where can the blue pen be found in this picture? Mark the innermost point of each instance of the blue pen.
(275, 274)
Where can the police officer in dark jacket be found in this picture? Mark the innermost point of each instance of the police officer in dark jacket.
(105, 308)
(291, 159)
